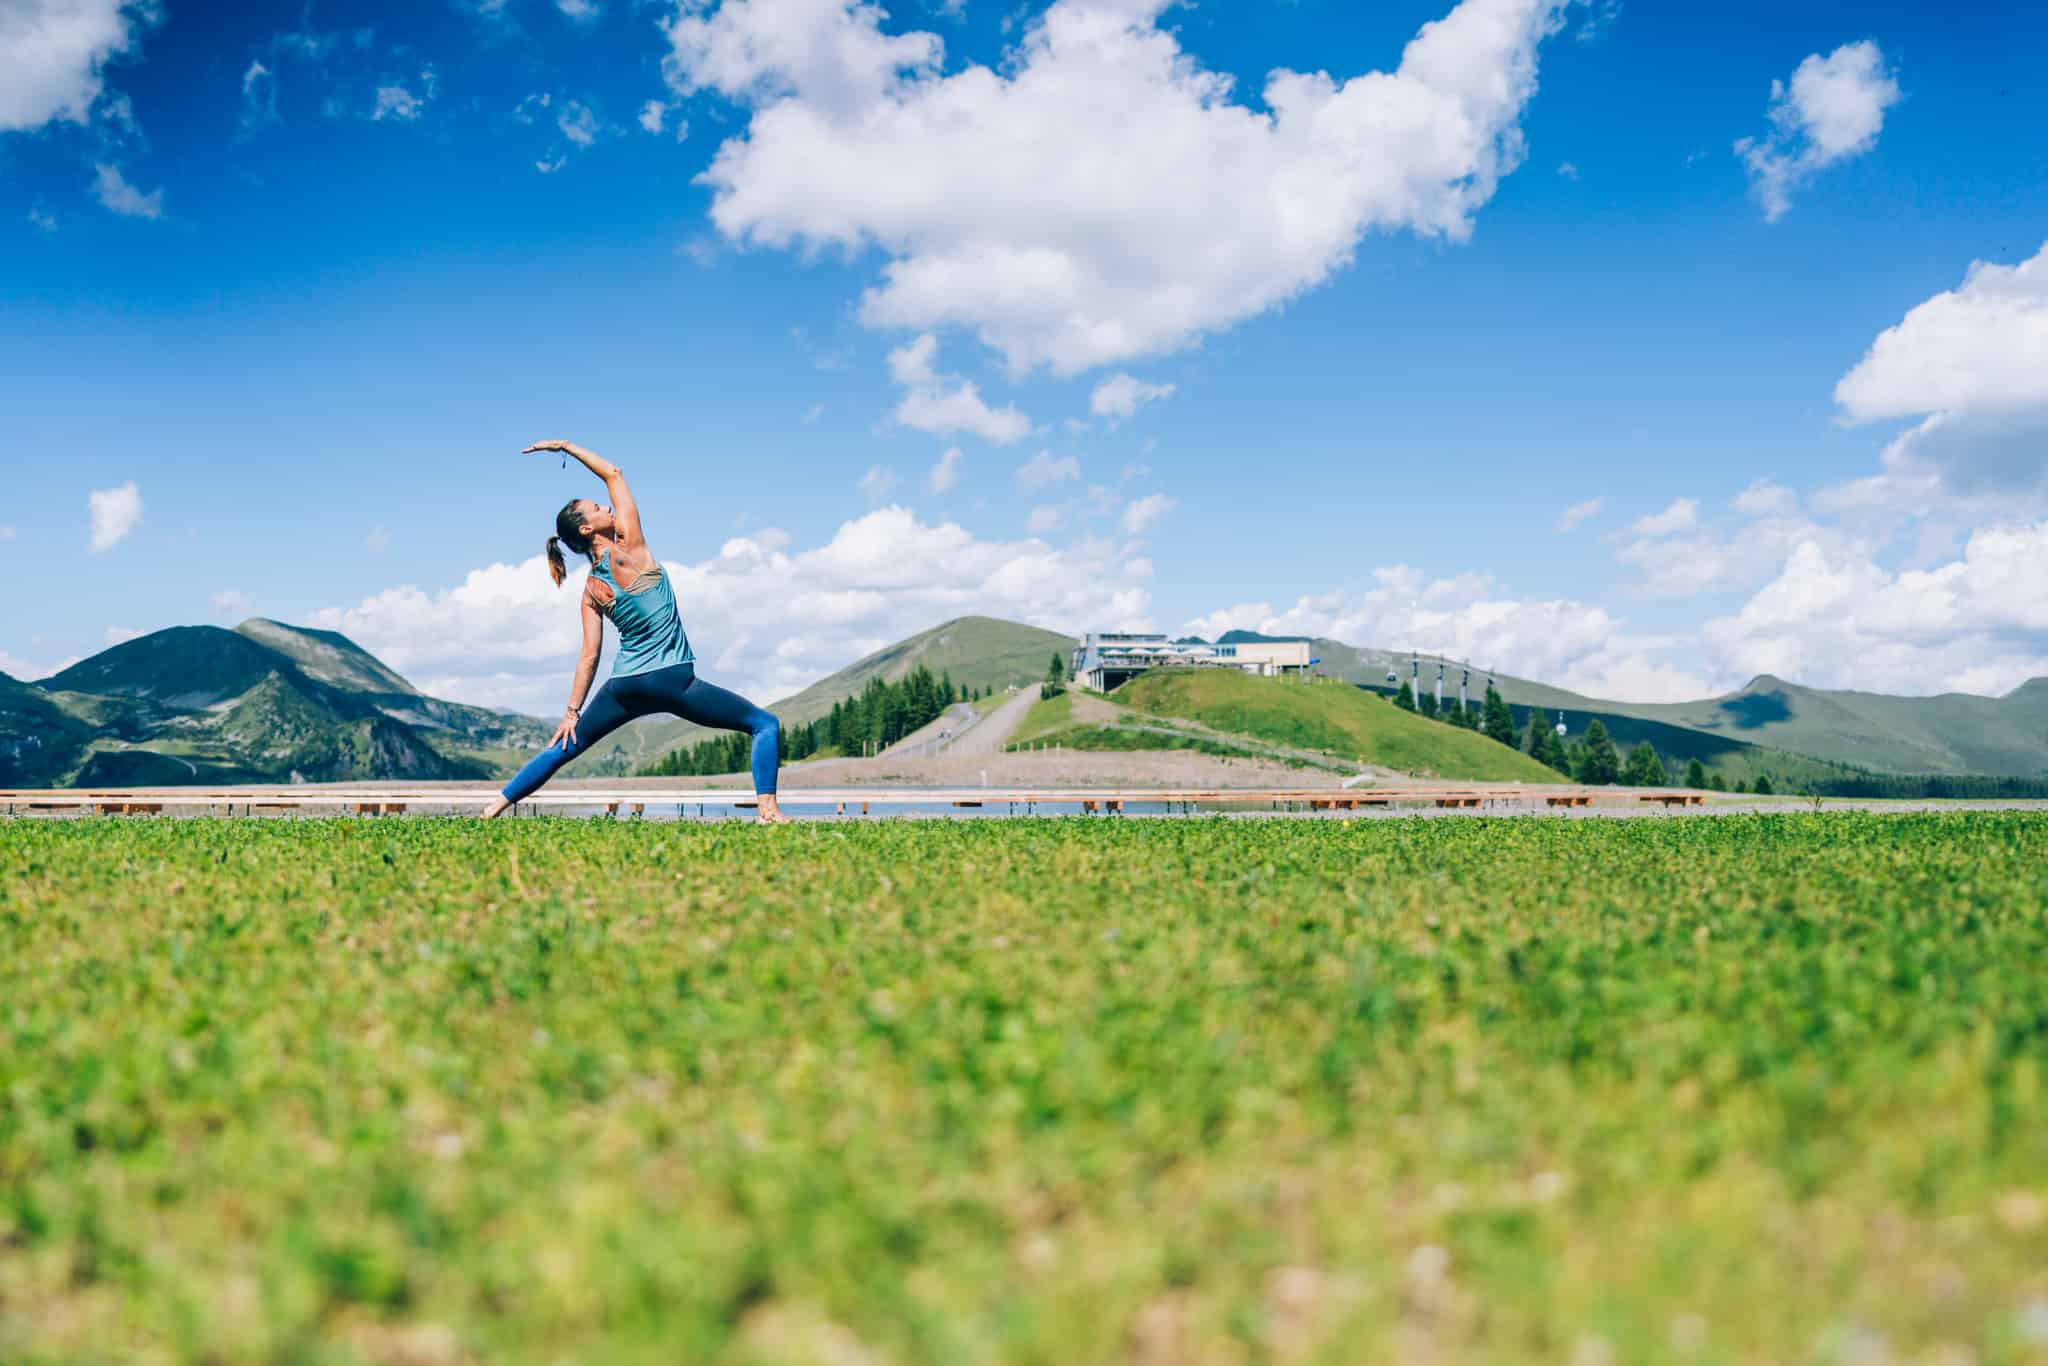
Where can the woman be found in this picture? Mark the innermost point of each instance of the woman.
(654, 670)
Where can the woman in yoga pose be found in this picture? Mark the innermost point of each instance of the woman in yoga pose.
(655, 670)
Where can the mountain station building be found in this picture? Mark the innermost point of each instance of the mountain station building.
(1108, 659)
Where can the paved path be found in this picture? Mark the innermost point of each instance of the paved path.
(934, 736)
(995, 731)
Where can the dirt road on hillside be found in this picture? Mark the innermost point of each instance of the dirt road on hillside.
(991, 735)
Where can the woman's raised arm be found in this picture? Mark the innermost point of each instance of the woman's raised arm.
(623, 507)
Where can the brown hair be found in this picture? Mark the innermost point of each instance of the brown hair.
(569, 532)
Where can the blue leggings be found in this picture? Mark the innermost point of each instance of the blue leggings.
(676, 690)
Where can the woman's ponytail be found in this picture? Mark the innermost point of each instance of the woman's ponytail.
(569, 531)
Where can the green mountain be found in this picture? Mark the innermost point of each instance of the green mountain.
(327, 656)
(1345, 722)
(1770, 725)
(264, 702)
(979, 652)
(1953, 733)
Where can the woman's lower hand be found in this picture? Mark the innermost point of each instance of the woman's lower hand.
(565, 734)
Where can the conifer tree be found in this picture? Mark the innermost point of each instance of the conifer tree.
(1426, 704)
(1645, 767)
(1764, 786)
(1717, 783)
(1598, 762)
(1695, 773)
(1405, 699)
(1495, 719)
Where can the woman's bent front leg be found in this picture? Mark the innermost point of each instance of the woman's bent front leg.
(707, 704)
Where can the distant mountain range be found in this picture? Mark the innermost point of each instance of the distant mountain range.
(264, 702)
(275, 703)
(1952, 734)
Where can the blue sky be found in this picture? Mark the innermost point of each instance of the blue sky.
(1515, 350)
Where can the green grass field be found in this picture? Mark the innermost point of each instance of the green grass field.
(1742, 1089)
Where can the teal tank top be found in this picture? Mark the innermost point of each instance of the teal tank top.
(651, 634)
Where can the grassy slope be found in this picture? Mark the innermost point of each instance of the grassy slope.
(1335, 718)
(1950, 733)
(977, 651)
(1485, 1091)
(1056, 721)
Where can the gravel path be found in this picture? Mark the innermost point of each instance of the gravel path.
(988, 738)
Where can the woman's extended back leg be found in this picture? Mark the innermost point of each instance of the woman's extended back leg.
(604, 714)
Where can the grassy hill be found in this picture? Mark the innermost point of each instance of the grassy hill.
(1950, 733)
(1777, 726)
(1346, 722)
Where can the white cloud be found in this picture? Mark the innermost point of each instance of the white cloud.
(42, 217)
(53, 55)
(1678, 557)
(1767, 498)
(1045, 517)
(1579, 512)
(580, 11)
(548, 166)
(397, 103)
(579, 123)
(1121, 396)
(1568, 170)
(231, 603)
(117, 194)
(120, 635)
(1144, 512)
(813, 413)
(766, 622)
(259, 97)
(1832, 617)
(115, 512)
(1680, 516)
(1972, 363)
(6, 533)
(1832, 110)
(528, 109)
(1600, 16)
(937, 405)
(1046, 468)
(945, 473)
(377, 540)
(1564, 642)
(654, 116)
(1191, 212)
(876, 483)
(911, 363)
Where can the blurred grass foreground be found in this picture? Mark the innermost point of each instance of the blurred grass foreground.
(1755, 1088)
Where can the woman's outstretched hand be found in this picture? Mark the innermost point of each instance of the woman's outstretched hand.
(565, 447)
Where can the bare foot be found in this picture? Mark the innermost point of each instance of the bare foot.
(771, 811)
(498, 804)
